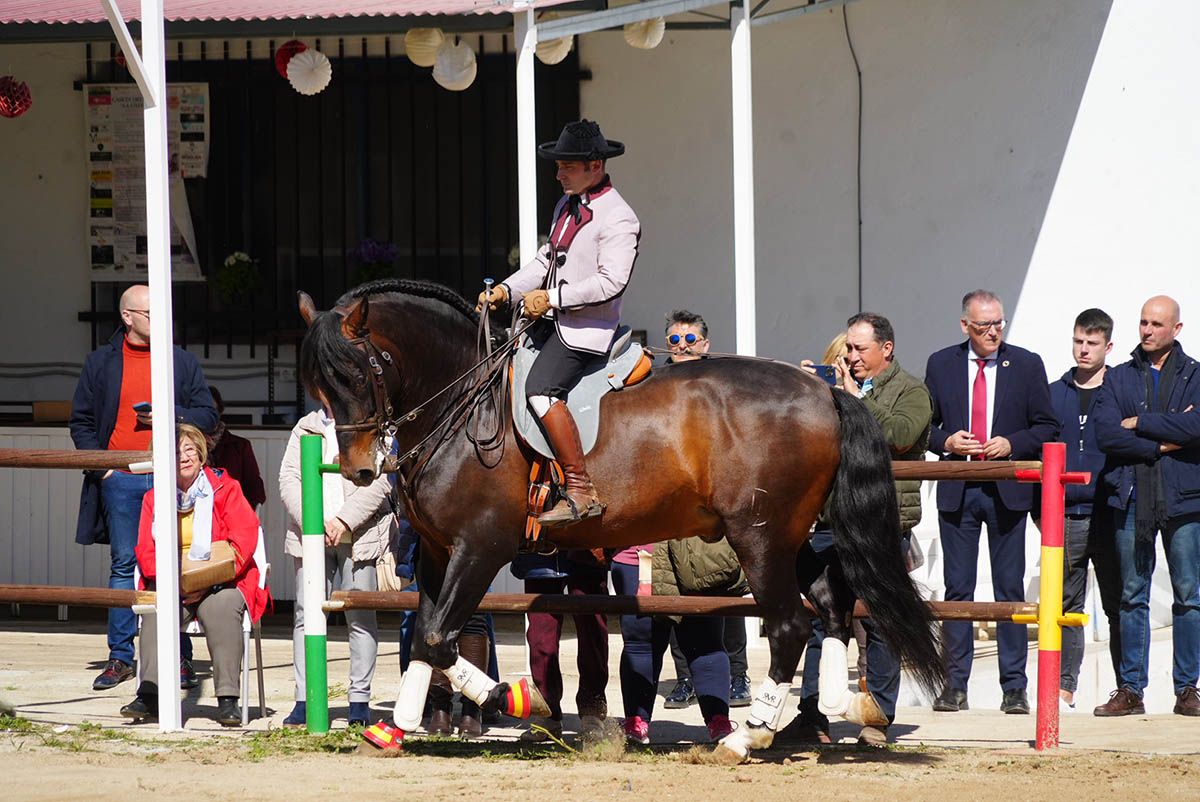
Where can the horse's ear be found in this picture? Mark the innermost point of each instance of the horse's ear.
(354, 318)
(308, 310)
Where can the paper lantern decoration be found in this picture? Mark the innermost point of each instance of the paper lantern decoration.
(454, 68)
(284, 55)
(555, 50)
(645, 34)
(15, 99)
(421, 45)
(309, 72)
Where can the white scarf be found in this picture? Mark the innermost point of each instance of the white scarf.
(199, 499)
(331, 483)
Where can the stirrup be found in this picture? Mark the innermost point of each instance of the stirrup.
(593, 509)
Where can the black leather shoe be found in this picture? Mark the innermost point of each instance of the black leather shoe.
(1015, 702)
(228, 712)
(952, 700)
(187, 675)
(682, 695)
(115, 672)
(142, 708)
(739, 691)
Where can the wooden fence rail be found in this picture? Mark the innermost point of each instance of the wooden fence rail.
(72, 596)
(72, 460)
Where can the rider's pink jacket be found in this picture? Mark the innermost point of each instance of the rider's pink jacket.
(586, 266)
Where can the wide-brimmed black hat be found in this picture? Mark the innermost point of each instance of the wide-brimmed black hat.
(581, 141)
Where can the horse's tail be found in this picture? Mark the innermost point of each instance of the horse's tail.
(866, 532)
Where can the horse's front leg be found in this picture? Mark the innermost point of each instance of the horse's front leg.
(414, 686)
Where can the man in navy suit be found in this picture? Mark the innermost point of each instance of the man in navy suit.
(990, 402)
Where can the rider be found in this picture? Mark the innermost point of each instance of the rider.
(572, 289)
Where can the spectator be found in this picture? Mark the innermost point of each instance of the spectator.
(687, 339)
(114, 378)
(868, 368)
(358, 527)
(211, 509)
(577, 572)
(235, 456)
(990, 401)
(1087, 531)
(1148, 424)
(687, 566)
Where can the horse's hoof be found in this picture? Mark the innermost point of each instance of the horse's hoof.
(724, 756)
(537, 702)
(865, 712)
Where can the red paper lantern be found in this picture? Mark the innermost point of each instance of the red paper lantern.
(15, 99)
(284, 54)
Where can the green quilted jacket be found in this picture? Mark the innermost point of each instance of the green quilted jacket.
(901, 404)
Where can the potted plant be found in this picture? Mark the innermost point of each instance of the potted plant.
(376, 259)
(238, 277)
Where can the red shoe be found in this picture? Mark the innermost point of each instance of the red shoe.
(718, 727)
(385, 736)
(637, 730)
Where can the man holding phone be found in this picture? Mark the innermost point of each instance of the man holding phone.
(991, 401)
(111, 411)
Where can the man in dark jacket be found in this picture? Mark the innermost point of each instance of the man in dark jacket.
(116, 377)
(990, 401)
(1087, 529)
(1148, 424)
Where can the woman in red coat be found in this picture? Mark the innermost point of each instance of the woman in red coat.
(211, 508)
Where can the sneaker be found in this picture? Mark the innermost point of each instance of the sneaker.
(590, 726)
(538, 729)
(1187, 703)
(228, 712)
(360, 713)
(718, 727)
(187, 675)
(681, 696)
(115, 672)
(739, 691)
(637, 730)
(1121, 702)
(298, 718)
(143, 708)
(811, 726)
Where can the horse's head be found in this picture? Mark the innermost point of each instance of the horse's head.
(340, 367)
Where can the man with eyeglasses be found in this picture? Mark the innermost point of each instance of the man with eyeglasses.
(991, 401)
(115, 379)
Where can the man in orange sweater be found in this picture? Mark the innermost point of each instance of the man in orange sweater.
(115, 379)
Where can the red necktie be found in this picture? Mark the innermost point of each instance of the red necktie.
(979, 426)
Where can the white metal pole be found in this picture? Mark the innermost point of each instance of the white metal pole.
(525, 38)
(162, 371)
(745, 313)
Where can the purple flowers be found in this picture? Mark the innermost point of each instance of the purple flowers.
(371, 252)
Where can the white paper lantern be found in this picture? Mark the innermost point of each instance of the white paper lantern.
(454, 68)
(555, 50)
(421, 45)
(645, 34)
(309, 72)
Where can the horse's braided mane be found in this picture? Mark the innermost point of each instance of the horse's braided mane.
(421, 289)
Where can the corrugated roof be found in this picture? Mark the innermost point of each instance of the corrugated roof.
(90, 11)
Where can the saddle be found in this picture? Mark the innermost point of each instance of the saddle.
(625, 367)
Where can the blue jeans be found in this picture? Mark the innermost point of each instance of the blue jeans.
(121, 500)
(883, 669)
(1181, 542)
(1089, 538)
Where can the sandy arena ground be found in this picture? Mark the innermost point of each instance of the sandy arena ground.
(78, 747)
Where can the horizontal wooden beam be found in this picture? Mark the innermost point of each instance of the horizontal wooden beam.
(72, 460)
(651, 605)
(988, 471)
(54, 595)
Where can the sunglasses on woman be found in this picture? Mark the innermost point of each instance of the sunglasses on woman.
(687, 339)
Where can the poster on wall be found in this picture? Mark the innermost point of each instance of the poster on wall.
(117, 178)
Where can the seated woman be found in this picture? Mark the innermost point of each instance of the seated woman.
(211, 508)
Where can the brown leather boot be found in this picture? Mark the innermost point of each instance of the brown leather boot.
(1187, 703)
(1122, 702)
(583, 502)
(441, 699)
(473, 647)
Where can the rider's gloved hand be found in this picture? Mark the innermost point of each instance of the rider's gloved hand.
(494, 299)
(537, 303)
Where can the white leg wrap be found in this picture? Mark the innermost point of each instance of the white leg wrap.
(468, 680)
(835, 697)
(540, 404)
(767, 707)
(414, 687)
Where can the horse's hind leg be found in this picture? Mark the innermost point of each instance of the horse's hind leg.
(770, 568)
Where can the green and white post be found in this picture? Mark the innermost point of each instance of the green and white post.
(312, 500)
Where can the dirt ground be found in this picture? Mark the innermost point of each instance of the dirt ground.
(69, 742)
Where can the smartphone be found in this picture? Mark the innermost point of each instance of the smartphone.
(827, 372)
(142, 407)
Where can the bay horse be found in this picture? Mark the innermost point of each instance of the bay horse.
(752, 450)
